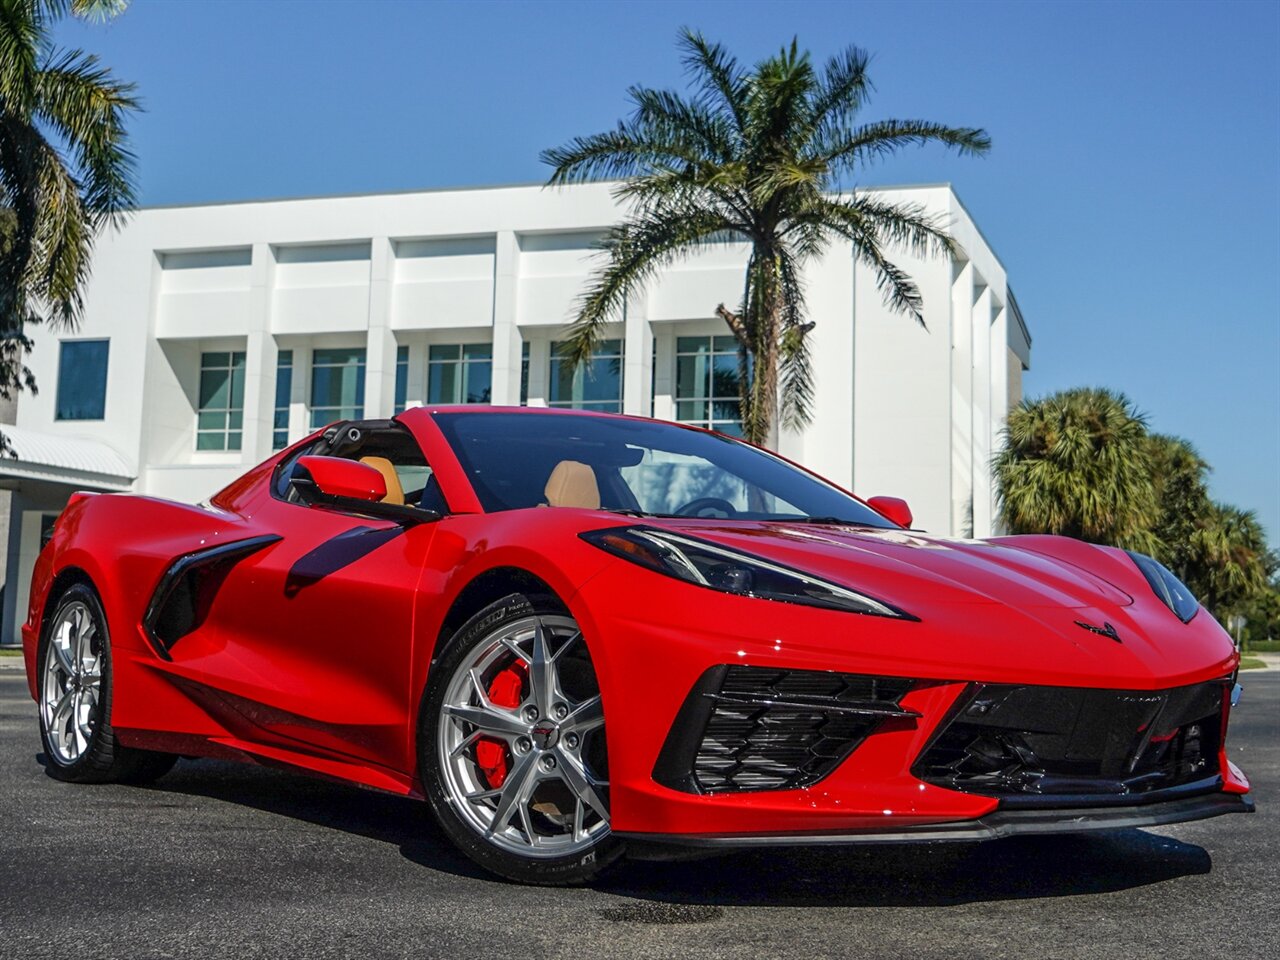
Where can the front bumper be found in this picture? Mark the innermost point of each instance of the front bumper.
(1002, 823)
(658, 637)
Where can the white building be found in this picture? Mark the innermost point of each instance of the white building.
(214, 334)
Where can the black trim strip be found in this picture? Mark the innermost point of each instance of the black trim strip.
(1002, 823)
(236, 550)
(861, 708)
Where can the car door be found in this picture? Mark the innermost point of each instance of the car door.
(313, 634)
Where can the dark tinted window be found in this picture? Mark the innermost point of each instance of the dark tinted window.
(82, 380)
(642, 465)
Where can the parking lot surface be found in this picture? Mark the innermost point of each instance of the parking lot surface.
(223, 860)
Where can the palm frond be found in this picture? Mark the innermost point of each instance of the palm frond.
(80, 99)
(845, 149)
(633, 251)
(717, 74)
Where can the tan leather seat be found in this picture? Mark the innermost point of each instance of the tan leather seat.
(395, 492)
(572, 484)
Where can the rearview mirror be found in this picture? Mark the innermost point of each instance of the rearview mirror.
(892, 508)
(334, 477)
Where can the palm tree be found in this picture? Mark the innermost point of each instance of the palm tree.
(1078, 463)
(754, 156)
(65, 171)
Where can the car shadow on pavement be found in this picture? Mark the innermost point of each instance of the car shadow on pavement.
(915, 875)
(912, 875)
(382, 817)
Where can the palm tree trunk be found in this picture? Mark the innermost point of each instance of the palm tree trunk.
(761, 384)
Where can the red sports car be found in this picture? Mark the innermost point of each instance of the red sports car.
(578, 636)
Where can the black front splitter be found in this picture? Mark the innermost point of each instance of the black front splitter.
(1001, 823)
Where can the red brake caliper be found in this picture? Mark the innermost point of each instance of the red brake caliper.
(506, 690)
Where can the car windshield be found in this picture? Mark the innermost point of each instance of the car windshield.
(636, 466)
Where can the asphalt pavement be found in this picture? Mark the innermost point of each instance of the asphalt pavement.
(223, 860)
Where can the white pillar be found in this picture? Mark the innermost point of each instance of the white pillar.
(637, 358)
(980, 432)
(260, 358)
(999, 401)
(664, 376)
(507, 342)
(961, 397)
(380, 352)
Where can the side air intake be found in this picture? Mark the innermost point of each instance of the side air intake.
(753, 728)
(186, 590)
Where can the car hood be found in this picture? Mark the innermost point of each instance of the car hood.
(901, 566)
(1004, 606)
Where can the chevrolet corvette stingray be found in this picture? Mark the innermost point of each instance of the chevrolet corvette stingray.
(579, 635)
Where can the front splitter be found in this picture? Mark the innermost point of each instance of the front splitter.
(1001, 823)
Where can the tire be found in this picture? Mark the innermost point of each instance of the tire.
(74, 691)
(511, 745)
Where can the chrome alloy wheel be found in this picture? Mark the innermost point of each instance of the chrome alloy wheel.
(71, 682)
(521, 740)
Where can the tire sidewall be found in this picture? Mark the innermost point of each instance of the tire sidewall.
(561, 871)
(97, 751)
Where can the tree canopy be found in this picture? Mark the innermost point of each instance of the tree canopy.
(756, 156)
(1083, 464)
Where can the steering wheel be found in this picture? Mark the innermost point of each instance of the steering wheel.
(701, 506)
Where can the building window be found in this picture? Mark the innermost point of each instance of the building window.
(220, 419)
(707, 383)
(284, 390)
(337, 385)
(460, 373)
(82, 380)
(595, 385)
(524, 374)
(402, 378)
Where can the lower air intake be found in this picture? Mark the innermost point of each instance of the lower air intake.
(753, 728)
(1042, 746)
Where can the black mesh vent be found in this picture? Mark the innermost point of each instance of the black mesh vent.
(753, 728)
(1046, 745)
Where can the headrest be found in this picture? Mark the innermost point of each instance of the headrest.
(395, 492)
(573, 484)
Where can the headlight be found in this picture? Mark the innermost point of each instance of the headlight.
(1172, 591)
(730, 571)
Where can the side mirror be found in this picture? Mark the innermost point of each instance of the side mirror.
(892, 508)
(335, 478)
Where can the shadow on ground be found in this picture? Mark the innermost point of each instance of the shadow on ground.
(900, 875)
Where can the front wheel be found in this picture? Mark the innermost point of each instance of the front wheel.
(512, 745)
(74, 659)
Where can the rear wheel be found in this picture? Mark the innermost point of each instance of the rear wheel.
(74, 660)
(512, 745)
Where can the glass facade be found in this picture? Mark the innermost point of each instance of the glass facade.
(595, 385)
(82, 380)
(220, 416)
(707, 383)
(337, 385)
(284, 391)
(402, 378)
(460, 373)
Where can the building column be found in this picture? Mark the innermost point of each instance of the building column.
(980, 432)
(9, 624)
(664, 373)
(962, 295)
(260, 358)
(380, 349)
(999, 400)
(507, 340)
(637, 357)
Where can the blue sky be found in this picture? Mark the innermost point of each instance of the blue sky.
(1133, 191)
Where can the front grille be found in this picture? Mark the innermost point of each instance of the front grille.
(754, 728)
(1036, 746)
